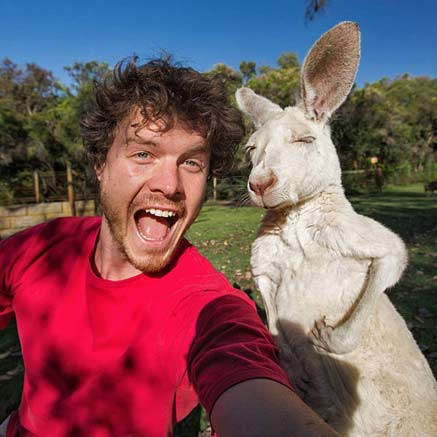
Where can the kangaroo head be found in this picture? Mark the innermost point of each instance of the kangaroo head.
(291, 150)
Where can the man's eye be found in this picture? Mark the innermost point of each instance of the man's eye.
(142, 155)
(193, 165)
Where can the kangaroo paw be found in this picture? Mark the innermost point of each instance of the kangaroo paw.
(331, 339)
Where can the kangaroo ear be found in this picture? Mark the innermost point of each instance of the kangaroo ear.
(329, 69)
(258, 108)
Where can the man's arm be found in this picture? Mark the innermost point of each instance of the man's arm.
(262, 407)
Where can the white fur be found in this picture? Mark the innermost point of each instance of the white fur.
(322, 270)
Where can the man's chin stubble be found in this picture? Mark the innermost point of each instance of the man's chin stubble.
(148, 263)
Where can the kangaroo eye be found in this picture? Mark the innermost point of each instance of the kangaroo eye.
(249, 148)
(307, 139)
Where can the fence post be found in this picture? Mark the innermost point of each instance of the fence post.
(36, 187)
(70, 189)
(214, 188)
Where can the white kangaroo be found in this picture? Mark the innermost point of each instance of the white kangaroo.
(322, 268)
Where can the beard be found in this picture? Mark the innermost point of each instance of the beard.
(153, 260)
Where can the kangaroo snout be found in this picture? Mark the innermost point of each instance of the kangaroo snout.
(261, 184)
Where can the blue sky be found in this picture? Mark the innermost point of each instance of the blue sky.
(398, 36)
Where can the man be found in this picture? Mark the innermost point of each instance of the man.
(121, 321)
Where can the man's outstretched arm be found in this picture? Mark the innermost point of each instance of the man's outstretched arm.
(263, 407)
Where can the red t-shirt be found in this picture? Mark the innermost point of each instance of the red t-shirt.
(122, 358)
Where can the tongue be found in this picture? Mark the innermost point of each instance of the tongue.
(152, 227)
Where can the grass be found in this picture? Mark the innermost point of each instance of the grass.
(411, 214)
(225, 234)
(10, 361)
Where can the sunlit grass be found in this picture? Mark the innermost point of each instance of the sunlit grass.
(224, 235)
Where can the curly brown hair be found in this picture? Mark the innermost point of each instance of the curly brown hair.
(168, 92)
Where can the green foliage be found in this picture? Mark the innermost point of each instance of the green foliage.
(40, 120)
(84, 74)
(6, 194)
(278, 84)
(288, 60)
(26, 97)
(314, 7)
(248, 70)
(76, 103)
(393, 120)
(229, 188)
(231, 79)
(264, 69)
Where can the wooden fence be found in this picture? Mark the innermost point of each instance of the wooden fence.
(14, 218)
(53, 186)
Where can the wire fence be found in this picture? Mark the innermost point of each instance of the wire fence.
(51, 186)
(69, 185)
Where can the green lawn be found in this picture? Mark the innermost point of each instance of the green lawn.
(224, 235)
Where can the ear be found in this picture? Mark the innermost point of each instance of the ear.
(258, 108)
(98, 168)
(329, 69)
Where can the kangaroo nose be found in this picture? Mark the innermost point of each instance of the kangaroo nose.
(262, 184)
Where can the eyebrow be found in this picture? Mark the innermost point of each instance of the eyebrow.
(198, 149)
(195, 151)
(204, 148)
(138, 140)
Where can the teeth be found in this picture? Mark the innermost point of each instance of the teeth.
(160, 212)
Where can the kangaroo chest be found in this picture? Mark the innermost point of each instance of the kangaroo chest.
(308, 281)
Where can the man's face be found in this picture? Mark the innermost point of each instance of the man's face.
(152, 187)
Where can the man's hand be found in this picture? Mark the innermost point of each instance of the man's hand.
(265, 408)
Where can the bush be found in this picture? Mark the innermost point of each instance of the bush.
(6, 194)
(232, 188)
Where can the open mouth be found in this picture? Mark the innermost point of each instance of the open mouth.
(155, 224)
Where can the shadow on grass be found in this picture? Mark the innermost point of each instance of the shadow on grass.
(412, 215)
(11, 386)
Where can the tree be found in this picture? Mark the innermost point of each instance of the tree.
(84, 74)
(279, 84)
(75, 103)
(26, 91)
(313, 8)
(394, 120)
(231, 79)
(40, 118)
(288, 60)
(264, 69)
(26, 96)
(248, 70)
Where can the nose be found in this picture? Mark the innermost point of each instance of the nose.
(166, 180)
(260, 185)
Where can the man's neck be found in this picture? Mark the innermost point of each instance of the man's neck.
(109, 261)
